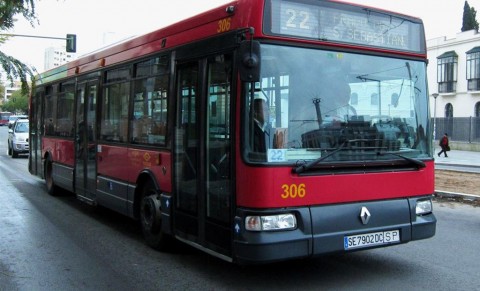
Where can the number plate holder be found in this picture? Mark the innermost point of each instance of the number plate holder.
(371, 239)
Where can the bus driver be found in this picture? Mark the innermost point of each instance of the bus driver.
(262, 139)
(336, 101)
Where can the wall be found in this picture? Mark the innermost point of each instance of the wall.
(463, 101)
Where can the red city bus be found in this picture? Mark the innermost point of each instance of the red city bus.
(4, 117)
(258, 131)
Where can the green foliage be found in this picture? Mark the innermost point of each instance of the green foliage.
(18, 103)
(469, 18)
(15, 69)
(9, 9)
(2, 90)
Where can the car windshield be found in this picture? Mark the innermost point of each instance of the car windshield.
(21, 127)
(310, 103)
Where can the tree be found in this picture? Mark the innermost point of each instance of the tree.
(469, 18)
(17, 103)
(2, 90)
(15, 69)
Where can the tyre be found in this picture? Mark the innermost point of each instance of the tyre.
(51, 187)
(9, 149)
(150, 218)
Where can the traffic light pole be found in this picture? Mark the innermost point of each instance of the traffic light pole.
(33, 36)
(71, 39)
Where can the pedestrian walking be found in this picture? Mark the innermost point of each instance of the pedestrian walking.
(444, 145)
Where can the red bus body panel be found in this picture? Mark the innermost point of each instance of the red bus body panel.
(263, 187)
(62, 151)
(126, 164)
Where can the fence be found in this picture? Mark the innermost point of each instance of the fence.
(465, 129)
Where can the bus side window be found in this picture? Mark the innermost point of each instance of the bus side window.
(114, 113)
(150, 101)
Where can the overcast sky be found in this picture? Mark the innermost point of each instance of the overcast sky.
(99, 22)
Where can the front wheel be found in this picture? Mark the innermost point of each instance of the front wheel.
(151, 220)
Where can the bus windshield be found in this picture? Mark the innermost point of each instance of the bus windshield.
(312, 103)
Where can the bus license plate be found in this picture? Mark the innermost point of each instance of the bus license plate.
(371, 239)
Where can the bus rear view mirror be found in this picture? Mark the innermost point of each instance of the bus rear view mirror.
(249, 61)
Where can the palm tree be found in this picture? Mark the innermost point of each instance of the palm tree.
(13, 68)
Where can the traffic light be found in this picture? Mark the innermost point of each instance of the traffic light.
(71, 43)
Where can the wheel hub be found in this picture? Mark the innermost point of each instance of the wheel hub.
(151, 213)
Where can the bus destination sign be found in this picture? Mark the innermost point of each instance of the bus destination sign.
(328, 22)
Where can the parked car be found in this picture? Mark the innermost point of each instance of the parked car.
(18, 138)
(13, 118)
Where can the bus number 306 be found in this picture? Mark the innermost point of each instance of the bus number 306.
(293, 191)
(224, 25)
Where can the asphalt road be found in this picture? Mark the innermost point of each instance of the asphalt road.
(58, 243)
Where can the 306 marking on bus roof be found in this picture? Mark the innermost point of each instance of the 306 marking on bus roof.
(224, 25)
(294, 191)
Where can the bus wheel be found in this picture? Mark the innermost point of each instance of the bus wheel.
(150, 218)
(51, 188)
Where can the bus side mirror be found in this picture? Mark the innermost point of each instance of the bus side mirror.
(249, 61)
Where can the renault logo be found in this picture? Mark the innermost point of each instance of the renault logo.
(365, 215)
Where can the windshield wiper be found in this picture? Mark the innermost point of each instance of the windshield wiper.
(416, 162)
(306, 166)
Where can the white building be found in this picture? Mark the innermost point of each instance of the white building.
(9, 90)
(454, 74)
(57, 56)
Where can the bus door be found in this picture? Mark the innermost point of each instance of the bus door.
(85, 141)
(36, 115)
(203, 163)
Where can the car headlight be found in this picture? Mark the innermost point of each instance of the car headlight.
(423, 207)
(271, 222)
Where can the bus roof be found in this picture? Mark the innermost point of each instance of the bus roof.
(196, 28)
(189, 30)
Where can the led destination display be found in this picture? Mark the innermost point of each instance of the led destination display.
(326, 21)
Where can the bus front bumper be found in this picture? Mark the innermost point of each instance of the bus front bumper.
(332, 229)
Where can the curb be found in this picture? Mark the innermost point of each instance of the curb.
(457, 165)
(446, 194)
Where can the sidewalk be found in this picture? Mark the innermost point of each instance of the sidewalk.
(458, 158)
(463, 161)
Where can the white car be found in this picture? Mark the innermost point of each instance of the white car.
(13, 118)
(18, 138)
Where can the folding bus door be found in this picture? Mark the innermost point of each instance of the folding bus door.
(36, 115)
(202, 153)
(85, 141)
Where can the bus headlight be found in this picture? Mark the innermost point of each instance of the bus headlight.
(423, 207)
(271, 222)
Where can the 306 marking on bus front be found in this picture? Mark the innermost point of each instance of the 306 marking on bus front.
(224, 25)
(294, 191)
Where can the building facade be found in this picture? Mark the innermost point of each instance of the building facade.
(10, 89)
(57, 56)
(454, 75)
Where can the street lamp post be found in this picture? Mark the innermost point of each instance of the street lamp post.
(435, 95)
